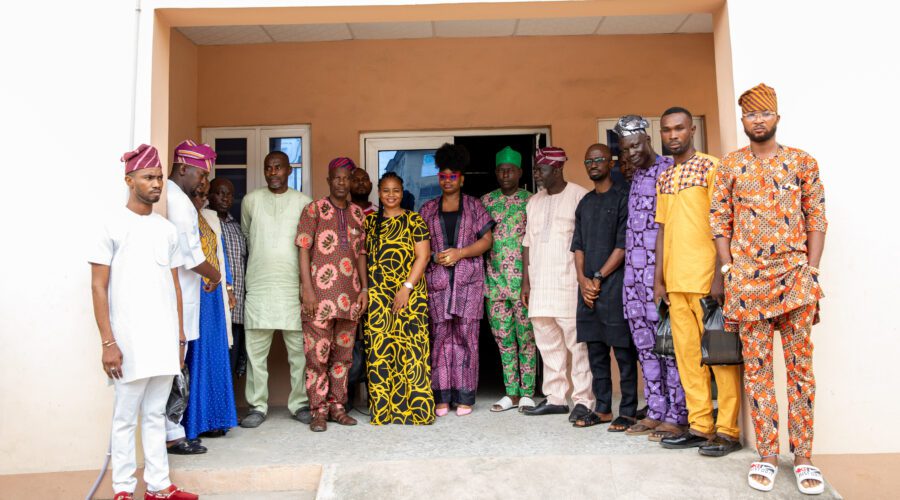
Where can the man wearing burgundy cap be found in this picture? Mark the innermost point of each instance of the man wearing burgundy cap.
(138, 308)
(332, 273)
(190, 166)
(550, 288)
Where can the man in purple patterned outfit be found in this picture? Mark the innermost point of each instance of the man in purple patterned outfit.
(667, 412)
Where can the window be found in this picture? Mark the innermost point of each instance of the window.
(241, 150)
(608, 136)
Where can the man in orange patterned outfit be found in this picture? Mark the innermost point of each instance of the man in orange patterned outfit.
(768, 218)
(332, 269)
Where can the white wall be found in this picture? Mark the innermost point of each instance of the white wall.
(66, 94)
(833, 65)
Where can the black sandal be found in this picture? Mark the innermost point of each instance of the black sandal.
(622, 422)
(591, 419)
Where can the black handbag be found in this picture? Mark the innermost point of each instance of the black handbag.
(664, 345)
(717, 346)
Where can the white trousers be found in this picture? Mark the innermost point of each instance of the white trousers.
(146, 397)
(174, 432)
(556, 338)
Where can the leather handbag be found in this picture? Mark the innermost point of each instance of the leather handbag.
(717, 346)
(664, 345)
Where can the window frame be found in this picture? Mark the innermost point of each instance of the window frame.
(370, 143)
(257, 142)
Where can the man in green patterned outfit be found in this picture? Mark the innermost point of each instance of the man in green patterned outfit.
(506, 312)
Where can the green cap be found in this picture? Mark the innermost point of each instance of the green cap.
(509, 155)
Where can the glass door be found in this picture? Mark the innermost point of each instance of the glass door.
(235, 153)
(412, 158)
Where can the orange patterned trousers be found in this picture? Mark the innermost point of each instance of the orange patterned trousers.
(757, 338)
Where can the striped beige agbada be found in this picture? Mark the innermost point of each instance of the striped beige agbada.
(554, 293)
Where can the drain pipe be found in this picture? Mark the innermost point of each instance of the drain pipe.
(134, 72)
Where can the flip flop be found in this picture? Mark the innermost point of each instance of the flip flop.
(642, 428)
(663, 431)
(809, 473)
(505, 403)
(765, 470)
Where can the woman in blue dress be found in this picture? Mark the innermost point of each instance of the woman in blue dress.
(211, 409)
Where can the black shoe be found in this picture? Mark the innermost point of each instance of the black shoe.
(545, 408)
(686, 440)
(580, 411)
(195, 441)
(186, 448)
(719, 447)
(216, 433)
(303, 415)
(253, 419)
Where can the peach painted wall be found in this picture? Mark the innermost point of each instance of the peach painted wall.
(182, 91)
(345, 88)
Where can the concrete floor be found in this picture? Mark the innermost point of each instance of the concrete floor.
(483, 455)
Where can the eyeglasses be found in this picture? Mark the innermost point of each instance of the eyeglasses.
(597, 161)
(448, 176)
(755, 115)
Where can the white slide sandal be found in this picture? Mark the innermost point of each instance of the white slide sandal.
(809, 473)
(765, 470)
(503, 404)
(525, 403)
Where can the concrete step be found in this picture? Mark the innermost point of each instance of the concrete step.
(264, 495)
(674, 474)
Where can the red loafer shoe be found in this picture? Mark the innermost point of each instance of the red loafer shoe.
(171, 493)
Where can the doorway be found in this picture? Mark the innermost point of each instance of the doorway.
(411, 156)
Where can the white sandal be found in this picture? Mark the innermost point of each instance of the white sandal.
(765, 470)
(505, 403)
(807, 473)
(525, 403)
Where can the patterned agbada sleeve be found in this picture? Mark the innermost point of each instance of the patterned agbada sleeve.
(362, 237)
(483, 220)
(306, 228)
(812, 194)
(721, 210)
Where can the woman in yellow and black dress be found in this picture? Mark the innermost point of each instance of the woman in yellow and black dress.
(396, 334)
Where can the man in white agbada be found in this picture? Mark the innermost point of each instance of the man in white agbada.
(191, 164)
(137, 304)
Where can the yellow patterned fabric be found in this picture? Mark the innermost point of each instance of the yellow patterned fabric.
(209, 244)
(397, 344)
(683, 194)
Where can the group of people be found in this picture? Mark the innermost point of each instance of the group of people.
(574, 275)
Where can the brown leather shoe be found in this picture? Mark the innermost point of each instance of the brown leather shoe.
(318, 423)
(340, 416)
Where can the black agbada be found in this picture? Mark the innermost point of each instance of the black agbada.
(600, 221)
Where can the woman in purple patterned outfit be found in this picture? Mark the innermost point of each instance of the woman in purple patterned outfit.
(460, 230)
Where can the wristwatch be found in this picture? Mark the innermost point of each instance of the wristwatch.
(725, 268)
(599, 276)
(409, 285)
